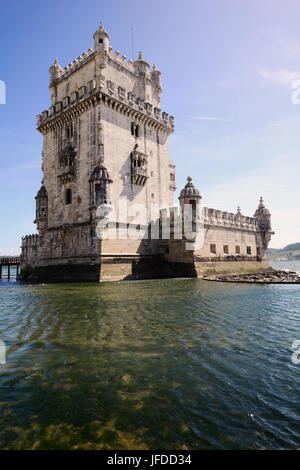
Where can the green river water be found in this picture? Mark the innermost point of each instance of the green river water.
(171, 364)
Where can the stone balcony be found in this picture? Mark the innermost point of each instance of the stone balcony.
(67, 175)
(139, 176)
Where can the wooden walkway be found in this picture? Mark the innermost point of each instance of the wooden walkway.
(9, 263)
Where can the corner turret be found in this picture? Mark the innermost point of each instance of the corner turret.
(55, 72)
(101, 40)
(189, 195)
(141, 66)
(263, 217)
(190, 204)
(41, 217)
(156, 77)
(263, 221)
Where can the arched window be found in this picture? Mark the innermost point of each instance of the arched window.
(98, 193)
(68, 197)
(192, 202)
(69, 132)
(135, 130)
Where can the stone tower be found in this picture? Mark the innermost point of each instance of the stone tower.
(104, 138)
(105, 146)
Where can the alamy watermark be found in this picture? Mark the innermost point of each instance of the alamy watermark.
(137, 221)
(296, 354)
(2, 92)
(296, 94)
(2, 352)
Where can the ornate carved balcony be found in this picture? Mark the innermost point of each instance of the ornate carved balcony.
(139, 168)
(67, 162)
(139, 176)
(67, 174)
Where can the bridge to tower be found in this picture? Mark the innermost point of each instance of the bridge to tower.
(10, 263)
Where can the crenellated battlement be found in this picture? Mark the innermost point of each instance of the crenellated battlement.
(109, 94)
(228, 219)
(86, 57)
(104, 73)
(30, 240)
(113, 56)
(214, 218)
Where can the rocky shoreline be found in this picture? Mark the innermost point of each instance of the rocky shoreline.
(272, 277)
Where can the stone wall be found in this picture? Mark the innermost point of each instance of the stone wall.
(105, 129)
(231, 267)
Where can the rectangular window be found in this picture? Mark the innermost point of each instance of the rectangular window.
(213, 248)
(237, 250)
(226, 249)
(248, 250)
(172, 177)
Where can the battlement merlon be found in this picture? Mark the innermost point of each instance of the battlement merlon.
(85, 97)
(100, 70)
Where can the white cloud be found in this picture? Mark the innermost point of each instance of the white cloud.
(9, 251)
(277, 182)
(282, 77)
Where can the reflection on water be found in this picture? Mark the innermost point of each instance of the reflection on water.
(4, 273)
(172, 364)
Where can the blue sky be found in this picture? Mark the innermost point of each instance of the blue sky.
(227, 68)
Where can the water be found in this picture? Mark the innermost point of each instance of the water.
(172, 364)
(13, 272)
(293, 265)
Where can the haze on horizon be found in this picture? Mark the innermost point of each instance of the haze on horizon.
(227, 73)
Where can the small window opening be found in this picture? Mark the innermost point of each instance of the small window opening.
(68, 198)
(237, 250)
(98, 192)
(192, 202)
(213, 248)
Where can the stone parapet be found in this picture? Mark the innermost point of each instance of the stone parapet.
(30, 240)
(219, 218)
(88, 94)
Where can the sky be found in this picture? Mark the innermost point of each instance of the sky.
(227, 72)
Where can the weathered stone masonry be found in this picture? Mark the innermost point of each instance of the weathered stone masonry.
(105, 137)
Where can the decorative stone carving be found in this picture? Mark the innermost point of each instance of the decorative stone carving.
(110, 86)
(67, 164)
(121, 92)
(139, 168)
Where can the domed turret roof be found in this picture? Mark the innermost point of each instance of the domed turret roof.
(140, 60)
(261, 210)
(154, 68)
(42, 192)
(55, 70)
(102, 29)
(189, 190)
(100, 173)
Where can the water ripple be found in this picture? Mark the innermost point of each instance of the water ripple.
(171, 364)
